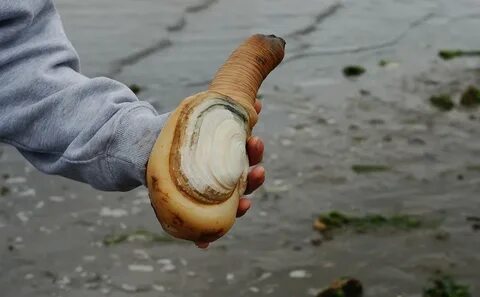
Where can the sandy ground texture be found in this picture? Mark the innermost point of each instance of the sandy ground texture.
(323, 134)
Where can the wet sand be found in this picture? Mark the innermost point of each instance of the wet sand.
(62, 238)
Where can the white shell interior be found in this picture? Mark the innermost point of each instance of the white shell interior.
(213, 153)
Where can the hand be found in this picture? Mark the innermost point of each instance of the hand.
(256, 176)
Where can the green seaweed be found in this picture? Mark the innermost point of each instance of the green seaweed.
(4, 190)
(456, 53)
(359, 138)
(443, 102)
(383, 63)
(353, 70)
(369, 168)
(442, 235)
(139, 234)
(473, 167)
(445, 286)
(471, 97)
(135, 88)
(335, 220)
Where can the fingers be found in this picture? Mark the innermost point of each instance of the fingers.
(258, 106)
(255, 148)
(243, 206)
(255, 179)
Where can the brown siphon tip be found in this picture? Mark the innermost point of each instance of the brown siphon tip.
(246, 68)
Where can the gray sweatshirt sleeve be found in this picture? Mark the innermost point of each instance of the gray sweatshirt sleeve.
(92, 130)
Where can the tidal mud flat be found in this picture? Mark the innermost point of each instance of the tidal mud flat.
(363, 145)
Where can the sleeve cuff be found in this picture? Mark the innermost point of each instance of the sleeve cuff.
(130, 147)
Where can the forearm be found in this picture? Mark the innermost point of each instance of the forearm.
(91, 130)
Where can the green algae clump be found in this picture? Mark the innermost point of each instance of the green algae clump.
(337, 221)
(442, 102)
(365, 168)
(457, 53)
(446, 286)
(139, 234)
(471, 97)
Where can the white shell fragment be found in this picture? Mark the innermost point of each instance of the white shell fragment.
(213, 154)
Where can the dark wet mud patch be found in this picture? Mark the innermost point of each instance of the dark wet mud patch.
(449, 54)
(204, 5)
(136, 89)
(4, 190)
(336, 221)
(353, 70)
(140, 235)
(442, 285)
(475, 222)
(369, 168)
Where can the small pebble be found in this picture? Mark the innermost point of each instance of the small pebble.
(56, 199)
(89, 258)
(230, 277)
(299, 274)
(115, 213)
(140, 268)
(158, 288)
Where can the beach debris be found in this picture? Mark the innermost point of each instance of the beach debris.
(442, 285)
(343, 287)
